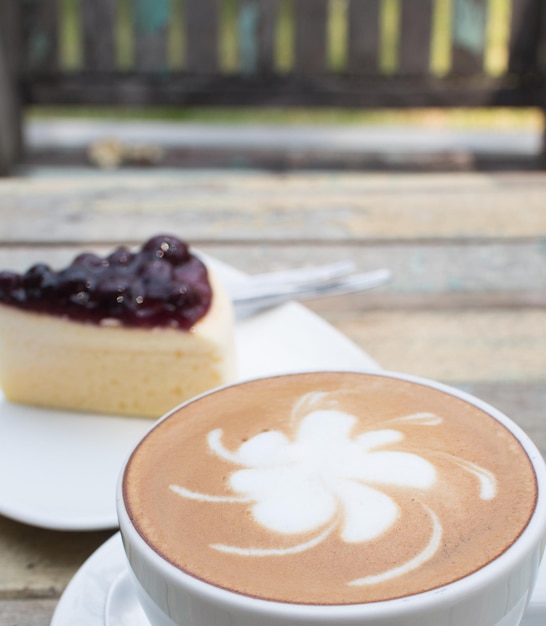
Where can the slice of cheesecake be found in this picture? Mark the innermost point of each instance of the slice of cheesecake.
(136, 333)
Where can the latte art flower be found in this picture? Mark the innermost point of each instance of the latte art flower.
(299, 486)
(326, 478)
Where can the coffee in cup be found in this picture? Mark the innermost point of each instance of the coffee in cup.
(331, 489)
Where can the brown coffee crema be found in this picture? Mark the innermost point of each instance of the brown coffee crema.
(330, 488)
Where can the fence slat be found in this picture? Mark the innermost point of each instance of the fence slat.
(311, 18)
(468, 36)
(363, 34)
(256, 29)
(10, 33)
(527, 20)
(98, 20)
(202, 35)
(40, 25)
(10, 104)
(415, 37)
(151, 22)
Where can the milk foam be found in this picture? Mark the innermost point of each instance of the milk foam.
(328, 477)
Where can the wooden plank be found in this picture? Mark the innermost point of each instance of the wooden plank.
(498, 345)
(526, 29)
(310, 17)
(40, 24)
(151, 22)
(28, 612)
(10, 105)
(415, 37)
(8, 116)
(468, 36)
(31, 566)
(283, 90)
(289, 158)
(98, 19)
(363, 36)
(202, 36)
(11, 33)
(257, 21)
(345, 207)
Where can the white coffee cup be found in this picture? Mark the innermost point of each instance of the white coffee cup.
(494, 595)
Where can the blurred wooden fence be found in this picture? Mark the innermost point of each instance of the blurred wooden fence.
(283, 53)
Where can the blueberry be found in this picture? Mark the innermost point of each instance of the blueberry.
(9, 281)
(156, 271)
(35, 276)
(121, 256)
(70, 281)
(167, 247)
(88, 259)
(112, 292)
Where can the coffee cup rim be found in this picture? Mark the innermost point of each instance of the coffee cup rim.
(534, 533)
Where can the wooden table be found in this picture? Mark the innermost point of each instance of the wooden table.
(466, 305)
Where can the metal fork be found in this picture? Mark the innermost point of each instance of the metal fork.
(271, 289)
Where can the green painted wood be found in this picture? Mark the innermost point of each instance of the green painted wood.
(151, 20)
(468, 36)
(257, 22)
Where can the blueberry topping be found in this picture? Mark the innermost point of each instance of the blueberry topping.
(88, 259)
(162, 284)
(167, 247)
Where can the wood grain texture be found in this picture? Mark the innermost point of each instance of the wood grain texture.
(39, 563)
(466, 304)
(496, 345)
(28, 612)
(293, 207)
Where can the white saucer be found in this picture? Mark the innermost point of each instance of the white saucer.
(59, 470)
(87, 599)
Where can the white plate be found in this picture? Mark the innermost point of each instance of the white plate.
(85, 599)
(59, 470)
